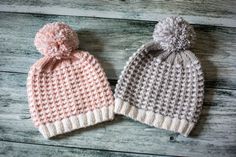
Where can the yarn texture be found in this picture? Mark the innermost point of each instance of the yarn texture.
(67, 88)
(162, 84)
(56, 40)
(174, 34)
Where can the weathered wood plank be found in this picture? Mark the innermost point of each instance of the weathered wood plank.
(210, 12)
(12, 149)
(112, 42)
(213, 136)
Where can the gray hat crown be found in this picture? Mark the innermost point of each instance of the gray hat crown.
(162, 84)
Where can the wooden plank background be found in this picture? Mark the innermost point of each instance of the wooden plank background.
(212, 12)
(112, 31)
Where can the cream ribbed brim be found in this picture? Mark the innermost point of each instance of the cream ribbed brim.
(78, 121)
(153, 119)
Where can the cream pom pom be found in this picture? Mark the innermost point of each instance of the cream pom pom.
(174, 34)
(56, 40)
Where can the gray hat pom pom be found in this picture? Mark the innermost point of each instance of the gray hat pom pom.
(174, 34)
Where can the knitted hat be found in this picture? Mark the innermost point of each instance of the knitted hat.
(67, 88)
(162, 83)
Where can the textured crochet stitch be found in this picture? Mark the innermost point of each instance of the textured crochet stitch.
(162, 84)
(67, 88)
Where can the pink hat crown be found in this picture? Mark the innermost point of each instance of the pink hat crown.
(67, 88)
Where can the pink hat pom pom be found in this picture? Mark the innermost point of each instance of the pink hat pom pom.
(56, 40)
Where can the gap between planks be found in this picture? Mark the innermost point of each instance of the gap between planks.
(214, 21)
(211, 12)
(73, 150)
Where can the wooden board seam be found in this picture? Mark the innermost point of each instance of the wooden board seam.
(201, 20)
(92, 149)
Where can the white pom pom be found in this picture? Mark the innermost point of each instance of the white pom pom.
(174, 34)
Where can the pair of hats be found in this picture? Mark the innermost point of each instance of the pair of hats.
(161, 85)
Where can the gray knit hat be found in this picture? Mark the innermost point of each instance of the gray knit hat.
(162, 84)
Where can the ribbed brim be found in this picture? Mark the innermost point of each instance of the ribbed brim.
(153, 119)
(77, 121)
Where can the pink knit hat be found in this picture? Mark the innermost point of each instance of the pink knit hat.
(67, 88)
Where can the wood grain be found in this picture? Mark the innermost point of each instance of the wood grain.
(11, 149)
(210, 12)
(113, 42)
(214, 135)
(122, 27)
